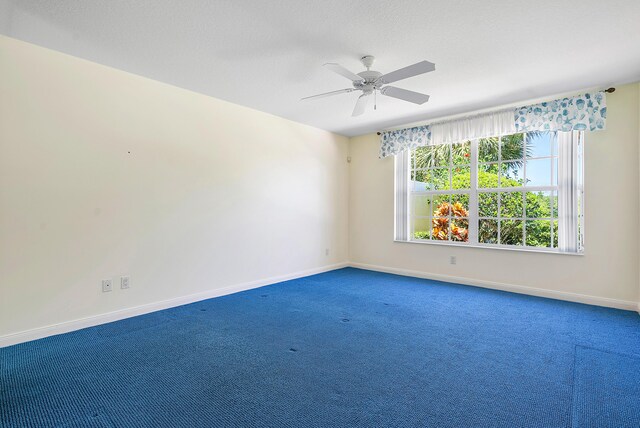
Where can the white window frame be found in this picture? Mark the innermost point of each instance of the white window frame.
(404, 230)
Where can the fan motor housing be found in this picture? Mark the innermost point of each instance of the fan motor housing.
(369, 78)
(370, 75)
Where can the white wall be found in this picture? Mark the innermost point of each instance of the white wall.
(104, 173)
(608, 272)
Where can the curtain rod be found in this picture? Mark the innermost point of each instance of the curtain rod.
(608, 90)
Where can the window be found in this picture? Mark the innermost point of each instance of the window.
(497, 192)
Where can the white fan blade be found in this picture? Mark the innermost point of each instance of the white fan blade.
(361, 104)
(337, 68)
(406, 72)
(328, 94)
(403, 94)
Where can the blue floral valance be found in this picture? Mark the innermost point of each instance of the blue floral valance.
(402, 139)
(586, 112)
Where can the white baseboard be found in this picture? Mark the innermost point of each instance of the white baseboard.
(521, 289)
(72, 325)
(77, 324)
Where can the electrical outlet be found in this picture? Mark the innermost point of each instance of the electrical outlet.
(452, 260)
(107, 285)
(125, 282)
(326, 252)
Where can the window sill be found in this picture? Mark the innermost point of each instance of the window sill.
(491, 247)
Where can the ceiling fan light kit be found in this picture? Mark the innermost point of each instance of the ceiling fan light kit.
(370, 82)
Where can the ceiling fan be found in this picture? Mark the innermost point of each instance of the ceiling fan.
(371, 82)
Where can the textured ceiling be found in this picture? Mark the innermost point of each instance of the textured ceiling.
(268, 54)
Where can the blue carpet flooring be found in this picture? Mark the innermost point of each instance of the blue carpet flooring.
(339, 349)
